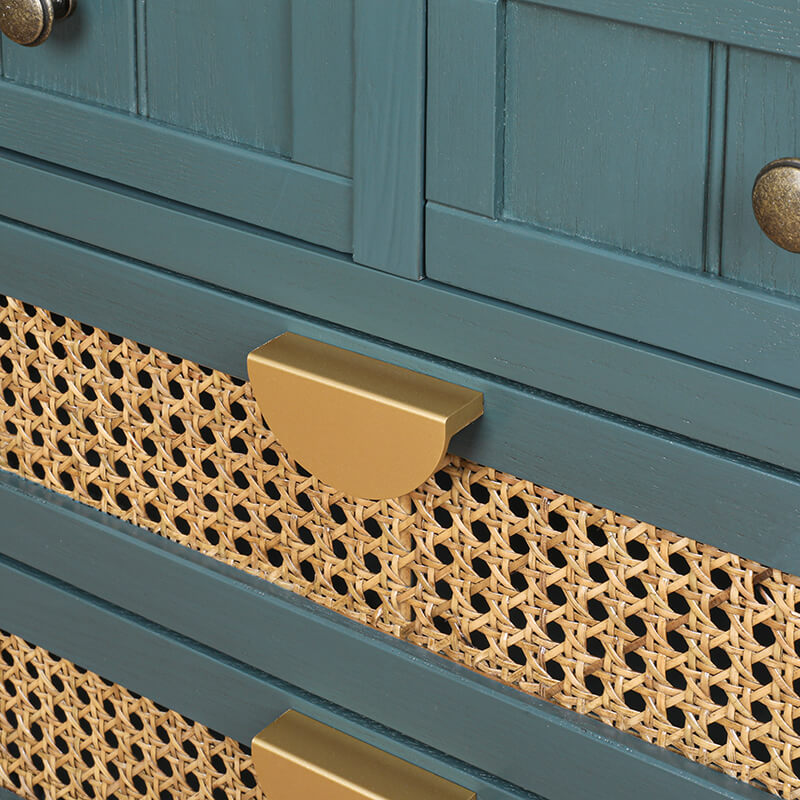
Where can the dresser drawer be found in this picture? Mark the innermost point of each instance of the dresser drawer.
(103, 705)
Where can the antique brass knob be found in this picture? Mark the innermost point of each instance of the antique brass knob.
(298, 757)
(776, 202)
(30, 22)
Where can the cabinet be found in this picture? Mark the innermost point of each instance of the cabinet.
(547, 202)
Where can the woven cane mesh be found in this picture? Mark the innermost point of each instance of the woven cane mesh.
(677, 642)
(68, 733)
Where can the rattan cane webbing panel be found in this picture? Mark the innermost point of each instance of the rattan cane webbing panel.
(68, 733)
(675, 641)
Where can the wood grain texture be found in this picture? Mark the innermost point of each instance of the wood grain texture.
(222, 71)
(714, 321)
(388, 167)
(592, 455)
(595, 112)
(91, 56)
(476, 720)
(204, 685)
(236, 182)
(728, 410)
(465, 109)
(763, 25)
(323, 84)
(763, 110)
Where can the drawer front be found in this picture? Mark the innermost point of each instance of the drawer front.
(598, 167)
(290, 115)
(73, 728)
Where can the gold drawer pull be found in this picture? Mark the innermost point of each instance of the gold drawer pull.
(776, 202)
(369, 429)
(30, 22)
(297, 757)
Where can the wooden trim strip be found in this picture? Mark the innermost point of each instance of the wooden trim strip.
(388, 157)
(718, 322)
(234, 181)
(438, 704)
(767, 25)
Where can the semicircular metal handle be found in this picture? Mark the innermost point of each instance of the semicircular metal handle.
(368, 428)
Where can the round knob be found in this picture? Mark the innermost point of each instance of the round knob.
(30, 22)
(776, 202)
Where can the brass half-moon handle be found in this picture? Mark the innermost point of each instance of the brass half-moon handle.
(297, 757)
(368, 428)
(776, 202)
(30, 22)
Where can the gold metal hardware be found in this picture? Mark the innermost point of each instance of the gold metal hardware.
(776, 202)
(297, 757)
(368, 428)
(30, 22)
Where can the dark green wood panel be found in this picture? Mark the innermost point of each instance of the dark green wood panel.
(222, 69)
(607, 131)
(323, 84)
(593, 455)
(765, 25)
(527, 741)
(763, 124)
(90, 56)
(388, 167)
(465, 104)
(233, 181)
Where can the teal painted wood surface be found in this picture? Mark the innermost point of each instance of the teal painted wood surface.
(765, 25)
(636, 470)
(388, 168)
(763, 124)
(222, 70)
(606, 132)
(490, 727)
(689, 398)
(465, 110)
(236, 182)
(90, 56)
(323, 84)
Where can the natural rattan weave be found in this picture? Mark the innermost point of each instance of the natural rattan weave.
(675, 641)
(68, 733)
